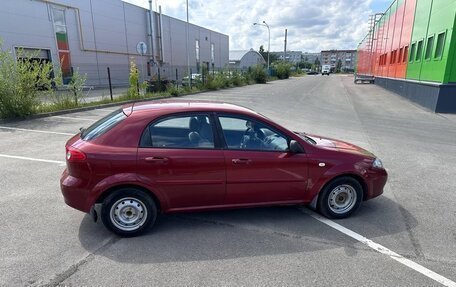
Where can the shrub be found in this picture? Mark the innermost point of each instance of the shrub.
(283, 70)
(21, 83)
(133, 79)
(173, 90)
(76, 85)
(237, 79)
(217, 81)
(258, 74)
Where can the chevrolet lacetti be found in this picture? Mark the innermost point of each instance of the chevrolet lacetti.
(176, 156)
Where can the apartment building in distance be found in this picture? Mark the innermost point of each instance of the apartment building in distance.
(331, 57)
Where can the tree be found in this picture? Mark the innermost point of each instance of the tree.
(304, 65)
(263, 53)
(317, 62)
(338, 66)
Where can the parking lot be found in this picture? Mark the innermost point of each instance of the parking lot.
(407, 237)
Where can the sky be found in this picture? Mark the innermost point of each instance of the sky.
(312, 25)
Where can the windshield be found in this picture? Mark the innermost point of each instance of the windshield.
(103, 125)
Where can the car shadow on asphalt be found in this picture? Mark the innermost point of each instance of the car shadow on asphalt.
(246, 233)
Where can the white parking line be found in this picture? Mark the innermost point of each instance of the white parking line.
(36, 131)
(74, 118)
(382, 249)
(33, 159)
(108, 110)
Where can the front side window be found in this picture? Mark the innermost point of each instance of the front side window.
(183, 131)
(247, 134)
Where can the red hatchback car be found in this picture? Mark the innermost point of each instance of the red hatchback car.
(175, 156)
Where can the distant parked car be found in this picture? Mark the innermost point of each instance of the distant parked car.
(175, 156)
(312, 73)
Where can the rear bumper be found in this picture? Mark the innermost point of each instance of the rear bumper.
(74, 192)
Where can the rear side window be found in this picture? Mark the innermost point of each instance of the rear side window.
(193, 131)
(103, 125)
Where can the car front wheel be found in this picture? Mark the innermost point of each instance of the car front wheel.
(340, 198)
(128, 212)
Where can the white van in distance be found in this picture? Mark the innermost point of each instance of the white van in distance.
(325, 69)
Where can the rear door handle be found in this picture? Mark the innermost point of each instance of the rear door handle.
(241, 161)
(156, 159)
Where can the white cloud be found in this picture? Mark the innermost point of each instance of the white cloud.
(312, 25)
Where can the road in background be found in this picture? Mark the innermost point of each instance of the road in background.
(46, 242)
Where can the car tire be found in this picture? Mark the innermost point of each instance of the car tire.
(340, 198)
(128, 212)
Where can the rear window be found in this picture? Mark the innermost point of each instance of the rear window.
(103, 125)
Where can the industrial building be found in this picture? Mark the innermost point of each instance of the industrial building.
(411, 50)
(241, 59)
(332, 57)
(92, 35)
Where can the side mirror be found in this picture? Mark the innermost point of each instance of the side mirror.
(295, 147)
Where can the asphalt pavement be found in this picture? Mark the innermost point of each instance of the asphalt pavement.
(407, 237)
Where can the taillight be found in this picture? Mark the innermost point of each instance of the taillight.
(73, 154)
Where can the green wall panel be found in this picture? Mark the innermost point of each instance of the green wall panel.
(432, 18)
(419, 33)
(451, 68)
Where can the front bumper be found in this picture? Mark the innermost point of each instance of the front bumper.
(376, 179)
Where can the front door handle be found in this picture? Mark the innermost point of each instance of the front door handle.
(241, 161)
(156, 159)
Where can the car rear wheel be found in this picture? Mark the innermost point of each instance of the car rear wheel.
(128, 212)
(340, 198)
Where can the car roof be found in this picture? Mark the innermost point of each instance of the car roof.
(177, 106)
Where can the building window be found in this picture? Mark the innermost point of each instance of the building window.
(393, 57)
(399, 58)
(412, 52)
(404, 59)
(429, 47)
(439, 46)
(197, 50)
(212, 53)
(419, 50)
(58, 17)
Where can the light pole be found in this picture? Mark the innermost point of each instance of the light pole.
(269, 38)
(188, 55)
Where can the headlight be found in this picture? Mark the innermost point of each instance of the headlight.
(377, 163)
